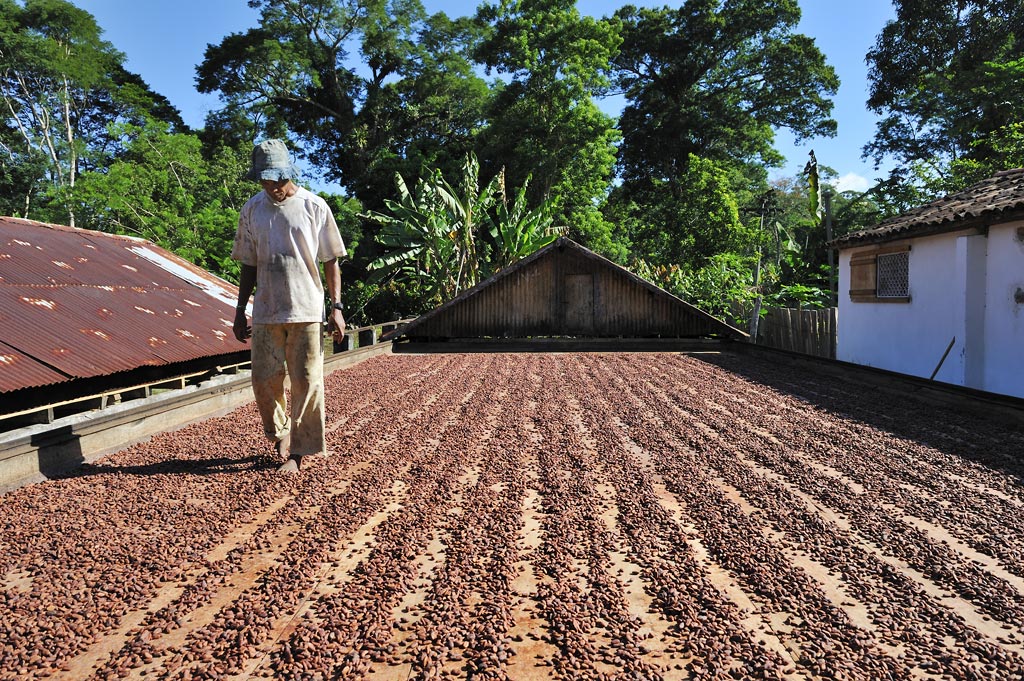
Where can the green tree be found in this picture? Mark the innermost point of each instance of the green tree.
(60, 86)
(163, 189)
(685, 222)
(22, 173)
(711, 80)
(406, 97)
(793, 237)
(542, 122)
(705, 86)
(1001, 149)
(945, 79)
(723, 286)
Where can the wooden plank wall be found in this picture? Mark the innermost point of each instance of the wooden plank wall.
(567, 293)
(811, 332)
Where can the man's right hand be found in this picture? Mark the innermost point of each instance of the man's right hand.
(241, 326)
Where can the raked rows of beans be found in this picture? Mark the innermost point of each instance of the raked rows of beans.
(533, 516)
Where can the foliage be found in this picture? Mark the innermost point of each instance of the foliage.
(430, 233)
(22, 174)
(793, 238)
(361, 117)
(60, 86)
(1006, 150)
(346, 213)
(371, 90)
(801, 296)
(517, 230)
(433, 234)
(162, 189)
(542, 122)
(684, 222)
(814, 197)
(710, 80)
(390, 300)
(719, 287)
(705, 85)
(945, 79)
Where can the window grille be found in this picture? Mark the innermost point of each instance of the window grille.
(893, 275)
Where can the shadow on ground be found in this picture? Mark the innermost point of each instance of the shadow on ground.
(214, 466)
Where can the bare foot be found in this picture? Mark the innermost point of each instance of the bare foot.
(292, 465)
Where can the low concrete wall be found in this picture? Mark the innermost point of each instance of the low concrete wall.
(36, 453)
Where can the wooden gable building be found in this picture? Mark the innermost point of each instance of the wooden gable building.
(565, 291)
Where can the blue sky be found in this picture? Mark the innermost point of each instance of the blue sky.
(164, 40)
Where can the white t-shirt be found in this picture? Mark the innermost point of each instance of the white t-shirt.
(286, 242)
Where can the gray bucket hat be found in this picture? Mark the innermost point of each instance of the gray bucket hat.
(271, 161)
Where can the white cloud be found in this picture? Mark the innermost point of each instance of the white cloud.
(851, 182)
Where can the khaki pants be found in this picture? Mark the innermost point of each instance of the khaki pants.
(298, 350)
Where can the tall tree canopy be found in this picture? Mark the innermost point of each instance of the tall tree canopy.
(945, 77)
(711, 80)
(681, 228)
(367, 90)
(705, 85)
(362, 117)
(61, 85)
(543, 121)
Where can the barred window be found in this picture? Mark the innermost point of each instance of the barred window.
(893, 272)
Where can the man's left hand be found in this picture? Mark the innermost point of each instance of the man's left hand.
(336, 325)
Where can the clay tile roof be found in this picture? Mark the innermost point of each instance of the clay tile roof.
(999, 198)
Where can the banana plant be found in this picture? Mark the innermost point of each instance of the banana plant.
(430, 233)
(517, 230)
(467, 209)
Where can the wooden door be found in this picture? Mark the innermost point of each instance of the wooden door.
(579, 304)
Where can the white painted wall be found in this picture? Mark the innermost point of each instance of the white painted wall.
(905, 337)
(962, 285)
(967, 295)
(1004, 315)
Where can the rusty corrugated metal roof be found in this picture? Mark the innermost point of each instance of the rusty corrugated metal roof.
(18, 370)
(76, 303)
(999, 198)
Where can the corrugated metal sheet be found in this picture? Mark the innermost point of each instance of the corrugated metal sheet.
(999, 198)
(18, 370)
(84, 304)
(566, 290)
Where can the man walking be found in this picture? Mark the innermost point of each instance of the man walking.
(284, 233)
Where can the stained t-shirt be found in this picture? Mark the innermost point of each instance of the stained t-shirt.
(286, 242)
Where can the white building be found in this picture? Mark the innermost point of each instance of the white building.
(947, 275)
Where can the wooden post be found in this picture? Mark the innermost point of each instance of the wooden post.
(787, 341)
(828, 239)
(811, 329)
(833, 332)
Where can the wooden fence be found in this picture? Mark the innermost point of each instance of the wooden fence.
(811, 332)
